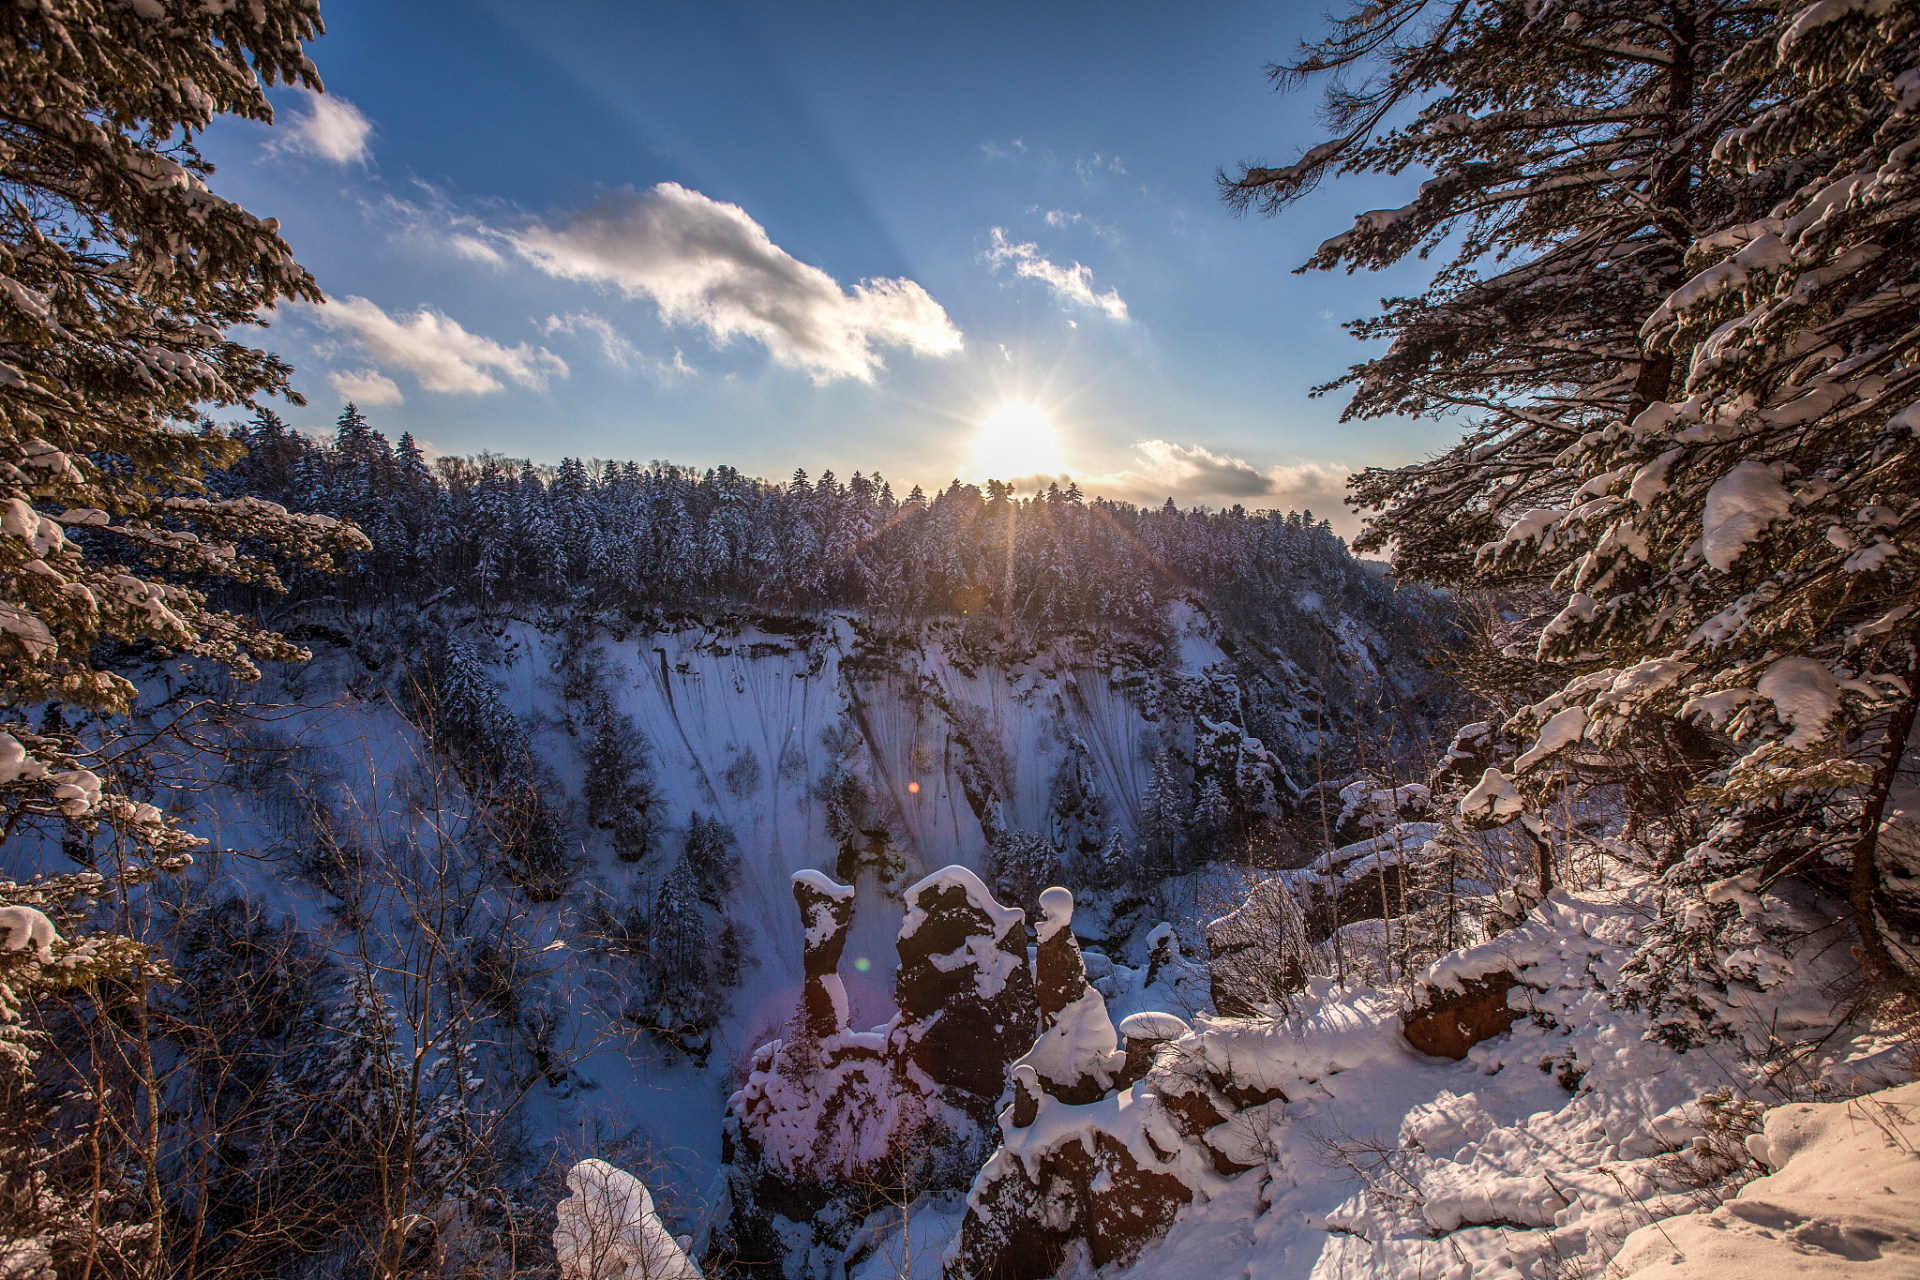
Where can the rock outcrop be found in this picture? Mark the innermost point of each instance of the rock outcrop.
(826, 909)
(963, 991)
(830, 1117)
(1111, 1174)
(1077, 1055)
(1446, 1024)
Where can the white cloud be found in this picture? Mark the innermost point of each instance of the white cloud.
(367, 388)
(1193, 473)
(472, 247)
(437, 351)
(707, 263)
(1069, 284)
(1090, 169)
(331, 128)
(613, 344)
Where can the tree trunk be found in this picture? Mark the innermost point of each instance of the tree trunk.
(1877, 958)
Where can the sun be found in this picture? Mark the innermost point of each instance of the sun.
(1016, 440)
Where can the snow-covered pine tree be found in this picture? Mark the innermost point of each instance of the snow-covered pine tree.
(1115, 862)
(1020, 865)
(1568, 148)
(1163, 818)
(467, 715)
(1719, 479)
(618, 782)
(712, 857)
(120, 277)
(400, 1131)
(1743, 554)
(1212, 814)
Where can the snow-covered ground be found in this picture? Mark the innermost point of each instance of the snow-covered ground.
(1536, 1156)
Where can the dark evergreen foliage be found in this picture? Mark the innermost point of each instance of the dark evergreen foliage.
(486, 530)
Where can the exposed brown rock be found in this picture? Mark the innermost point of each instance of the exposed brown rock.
(826, 909)
(1370, 895)
(1143, 1034)
(1059, 971)
(1026, 1097)
(962, 1021)
(1026, 1223)
(1196, 1111)
(1448, 1023)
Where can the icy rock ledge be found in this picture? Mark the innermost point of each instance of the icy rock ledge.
(1843, 1200)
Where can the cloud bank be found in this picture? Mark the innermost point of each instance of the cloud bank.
(1069, 284)
(330, 128)
(1193, 473)
(708, 264)
(436, 350)
(613, 344)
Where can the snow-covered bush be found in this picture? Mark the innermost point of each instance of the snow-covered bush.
(1022, 863)
(607, 1230)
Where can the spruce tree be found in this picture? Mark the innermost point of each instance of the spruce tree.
(123, 279)
(1568, 151)
(1743, 556)
(1695, 394)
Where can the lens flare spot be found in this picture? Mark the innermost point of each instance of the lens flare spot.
(913, 788)
(863, 964)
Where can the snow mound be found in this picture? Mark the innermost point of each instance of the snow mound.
(27, 929)
(1805, 697)
(818, 881)
(1056, 913)
(1739, 507)
(1153, 1025)
(1492, 799)
(1843, 1200)
(607, 1230)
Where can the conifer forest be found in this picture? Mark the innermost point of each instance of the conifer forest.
(506, 861)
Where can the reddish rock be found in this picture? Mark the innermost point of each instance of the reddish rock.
(963, 989)
(1024, 1224)
(1448, 1023)
(1375, 893)
(826, 909)
(1143, 1034)
(1059, 971)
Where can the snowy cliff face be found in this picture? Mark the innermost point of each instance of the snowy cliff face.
(582, 837)
(879, 759)
(882, 756)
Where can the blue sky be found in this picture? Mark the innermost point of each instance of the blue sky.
(827, 236)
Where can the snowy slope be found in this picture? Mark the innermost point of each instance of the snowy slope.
(1536, 1156)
